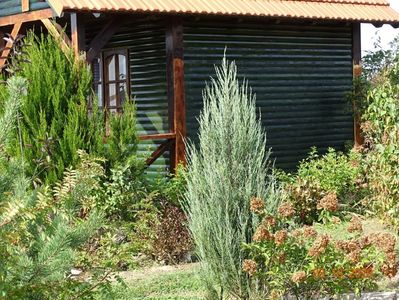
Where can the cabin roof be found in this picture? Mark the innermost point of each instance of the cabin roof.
(345, 10)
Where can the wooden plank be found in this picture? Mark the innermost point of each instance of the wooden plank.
(56, 31)
(160, 136)
(356, 57)
(158, 152)
(7, 49)
(176, 93)
(102, 38)
(78, 33)
(27, 17)
(25, 5)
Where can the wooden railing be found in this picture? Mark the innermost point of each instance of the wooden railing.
(169, 140)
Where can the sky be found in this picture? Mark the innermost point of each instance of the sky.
(386, 32)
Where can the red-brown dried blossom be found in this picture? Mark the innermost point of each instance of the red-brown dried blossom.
(296, 233)
(329, 202)
(384, 241)
(249, 266)
(338, 273)
(280, 237)
(319, 273)
(309, 231)
(262, 234)
(389, 270)
(257, 205)
(269, 221)
(354, 256)
(298, 276)
(361, 272)
(286, 210)
(355, 224)
(319, 246)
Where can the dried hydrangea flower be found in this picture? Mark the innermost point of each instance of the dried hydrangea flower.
(355, 225)
(269, 221)
(319, 246)
(391, 257)
(338, 273)
(354, 256)
(280, 236)
(257, 205)
(389, 270)
(362, 272)
(286, 210)
(319, 273)
(329, 202)
(298, 276)
(262, 234)
(309, 231)
(296, 233)
(249, 266)
(385, 241)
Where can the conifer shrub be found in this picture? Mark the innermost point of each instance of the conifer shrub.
(42, 228)
(229, 167)
(54, 118)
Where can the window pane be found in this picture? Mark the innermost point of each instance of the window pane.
(99, 93)
(112, 94)
(96, 65)
(122, 67)
(122, 93)
(111, 67)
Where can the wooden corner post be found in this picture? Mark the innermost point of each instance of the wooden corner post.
(176, 93)
(356, 57)
(78, 34)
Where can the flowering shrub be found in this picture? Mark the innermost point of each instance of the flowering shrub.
(322, 182)
(300, 261)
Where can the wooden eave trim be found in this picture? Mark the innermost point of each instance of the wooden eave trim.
(25, 5)
(56, 6)
(27, 17)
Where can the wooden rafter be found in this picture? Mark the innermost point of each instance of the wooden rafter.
(25, 5)
(27, 17)
(56, 30)
(102, 38)
(7, 49)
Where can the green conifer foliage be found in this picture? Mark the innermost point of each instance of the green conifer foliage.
(223, 174)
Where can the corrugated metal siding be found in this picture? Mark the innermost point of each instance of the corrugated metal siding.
(13, 7)
(146, 43)
(300, 75)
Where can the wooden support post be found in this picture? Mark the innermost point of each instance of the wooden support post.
(7, 49)
(78, 32)
(102, 38)
(25, 5)
(57, 31)
(356, 57)
(176, 93)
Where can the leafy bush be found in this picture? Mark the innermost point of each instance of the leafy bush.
(41, 229)
(229, 167)
(54, 119)
(319, 176)
(288, 260)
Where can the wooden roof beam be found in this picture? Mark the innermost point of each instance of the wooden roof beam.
(7, 49)
(25, 5)
(27, 17)
(56, 30)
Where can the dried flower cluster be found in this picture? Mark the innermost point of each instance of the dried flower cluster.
(355, 225)
(257, 205)
(298, 277)
(319, 245)
(309, 232)
(286, 210)
(319, 273)
(249, 266)
(361, 273)
(329, 202)
(262, 234)
(280, 237)
(269, 221)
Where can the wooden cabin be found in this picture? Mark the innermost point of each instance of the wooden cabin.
(298, 56)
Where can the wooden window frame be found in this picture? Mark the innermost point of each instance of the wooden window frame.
(105, 82)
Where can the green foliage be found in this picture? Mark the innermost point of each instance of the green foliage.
(309, 264)
(229, 167)
(318, 176)
(41, 229)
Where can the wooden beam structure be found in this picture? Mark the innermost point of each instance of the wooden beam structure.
(78, 33)
(25, 5)
(161, 136)
(102, 38)
(8, 47)
(356, 57)
(27, 17)
(158, 152)
(176, 93)
(57, 31)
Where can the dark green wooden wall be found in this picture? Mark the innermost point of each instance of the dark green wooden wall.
(13, 7)
(145, 40)
(300, 74)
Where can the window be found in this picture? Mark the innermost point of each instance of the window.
(111, 79)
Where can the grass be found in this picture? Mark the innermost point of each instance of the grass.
(180, 283)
